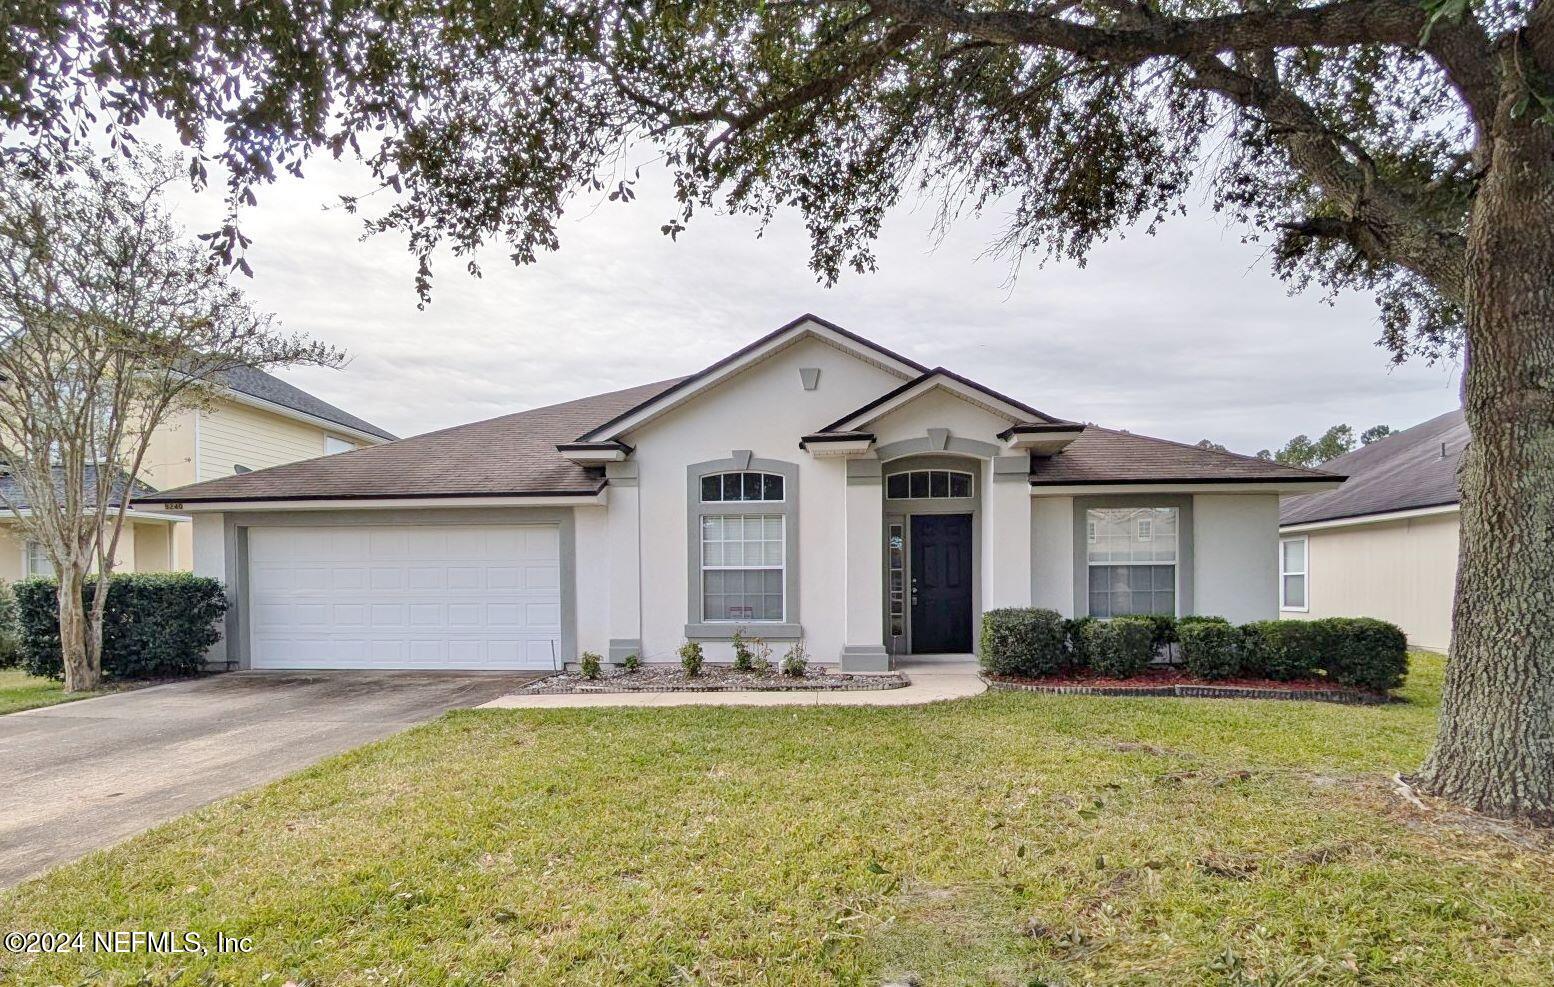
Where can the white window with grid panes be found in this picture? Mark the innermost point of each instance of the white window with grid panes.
(37, 560)
(1132, 556)
(1292, 574)
(742, 562)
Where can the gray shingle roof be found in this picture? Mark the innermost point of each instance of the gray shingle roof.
(10, 491)
(258, 384)
(1399, 473)
(514, 455)
(1102, 455)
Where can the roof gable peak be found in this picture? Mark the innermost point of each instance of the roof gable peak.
(805, 326)
(945, 379)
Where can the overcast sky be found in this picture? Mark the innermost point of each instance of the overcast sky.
(1183, 335)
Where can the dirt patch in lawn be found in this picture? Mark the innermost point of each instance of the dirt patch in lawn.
(1175, 681)
(714, 678)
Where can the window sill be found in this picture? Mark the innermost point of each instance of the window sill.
(1294, 609)
(724, 630)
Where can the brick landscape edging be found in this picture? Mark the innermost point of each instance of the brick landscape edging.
(1192, 692)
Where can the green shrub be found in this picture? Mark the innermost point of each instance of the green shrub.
(588, 663)
(1120, 648)
(691, 658)
(744, 658)
(1075, 652)
(632, 662)
(1363, 652)
(155, 625)
(1198, 618)
(1163, 627)
(796, 662)
(1211, 649)
(761, 664)
(1282, 649)
(10, 633)
(1022, 641)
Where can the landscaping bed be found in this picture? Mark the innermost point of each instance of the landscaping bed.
(713, 678)
(1177, 682)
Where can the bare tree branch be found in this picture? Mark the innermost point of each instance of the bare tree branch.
(1463, 50)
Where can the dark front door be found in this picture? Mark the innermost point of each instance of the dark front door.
(941, 583)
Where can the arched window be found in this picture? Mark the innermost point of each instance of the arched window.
(743, 548)
(743, 486)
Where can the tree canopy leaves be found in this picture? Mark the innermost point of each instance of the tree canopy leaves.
(1346, 133)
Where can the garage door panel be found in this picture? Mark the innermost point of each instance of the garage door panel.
(390, 597)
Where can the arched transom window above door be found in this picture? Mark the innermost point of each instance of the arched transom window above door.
(929, 484)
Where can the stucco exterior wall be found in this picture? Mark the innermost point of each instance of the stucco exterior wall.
(1403, 571)
(1052, 554)
(593, 580)
(764, 409)
(1235, 556)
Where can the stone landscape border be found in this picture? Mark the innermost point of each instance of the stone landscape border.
(880, 683)
(1345, 696)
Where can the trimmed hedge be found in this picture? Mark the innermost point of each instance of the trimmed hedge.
(1120, 648)
(1364, 652)
(10, 633)
(1282, 649)
(1022, 641)
(1074, 649)
(1358, 652)
(155, 625)
(1211, 649)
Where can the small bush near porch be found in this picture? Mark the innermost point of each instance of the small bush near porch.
(1010, 839)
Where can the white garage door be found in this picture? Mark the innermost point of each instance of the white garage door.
(402, 596)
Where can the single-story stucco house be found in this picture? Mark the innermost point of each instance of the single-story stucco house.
(1385, 543)
(813, 486)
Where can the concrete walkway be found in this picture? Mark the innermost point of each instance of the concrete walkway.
(933, 678)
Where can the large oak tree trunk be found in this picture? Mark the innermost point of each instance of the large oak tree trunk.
(1495, 748)
(82, 670)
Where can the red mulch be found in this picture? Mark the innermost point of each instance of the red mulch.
(1169, 675)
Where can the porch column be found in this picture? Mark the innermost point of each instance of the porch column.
(863, 648)
(625, 534)
(1007, 507)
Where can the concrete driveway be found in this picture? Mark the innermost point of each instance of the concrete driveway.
(84, 775)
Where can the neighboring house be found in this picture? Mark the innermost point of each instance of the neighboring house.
(145, 540)
(1384, 544)
(813, 486)
(257, 421)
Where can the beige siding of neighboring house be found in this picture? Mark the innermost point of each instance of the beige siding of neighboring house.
(153, 546)
(194, 446)
(232, 435)
(11, 557)
(1404, 571)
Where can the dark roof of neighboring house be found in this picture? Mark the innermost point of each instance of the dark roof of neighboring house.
(1401, 472)
(514, 455)
(10, 491)
(258, 384)
(1103, 455)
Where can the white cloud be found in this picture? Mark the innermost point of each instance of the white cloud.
(1183, 335)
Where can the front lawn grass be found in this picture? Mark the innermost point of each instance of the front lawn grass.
(1009, 839)
(19, 691)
